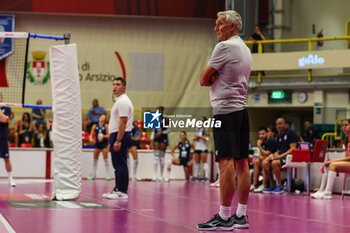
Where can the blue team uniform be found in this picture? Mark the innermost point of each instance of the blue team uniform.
(284, 140)
(135, 132)
(270, 145)
(101, 130)
(163, 137)
(185, 152)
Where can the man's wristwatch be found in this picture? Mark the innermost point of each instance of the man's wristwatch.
(118, 140)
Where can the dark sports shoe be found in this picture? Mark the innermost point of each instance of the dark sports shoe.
(240, 223)
(216, 223)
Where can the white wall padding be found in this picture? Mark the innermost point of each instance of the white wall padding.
(67, 126)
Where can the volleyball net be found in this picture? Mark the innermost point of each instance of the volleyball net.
(15, 69)
(62, 70)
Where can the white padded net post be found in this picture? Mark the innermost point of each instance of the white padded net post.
(67, 127)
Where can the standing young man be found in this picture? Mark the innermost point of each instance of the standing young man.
(228, 73)
(120, 126)
(5, 114)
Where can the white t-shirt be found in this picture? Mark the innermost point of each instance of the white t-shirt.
(122, 107)
(233, 61)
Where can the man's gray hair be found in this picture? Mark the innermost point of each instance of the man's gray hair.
(232, 16)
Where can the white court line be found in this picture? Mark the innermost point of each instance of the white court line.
(27, 181)
(6, 224)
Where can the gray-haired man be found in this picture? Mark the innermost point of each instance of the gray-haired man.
(228, 73)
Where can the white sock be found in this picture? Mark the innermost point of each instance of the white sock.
(95, 166)
(106, 165)
(197, 169)
(128, 162)
(155, 166)
(169, 168)
(136, 162)
(330, 181)
(241, 210)
(161, 159)
(206, 170)
(324, 181)
(10, 175)
(225, 212)
(217, 168)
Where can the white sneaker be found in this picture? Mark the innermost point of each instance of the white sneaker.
(317, 195)
(12, 183)
(216, 184)
(160, 178)
(154, 178)
(137, 178)
(327, 195)
(117, 195)
(321, 195)
(110, 192)
(259, 189)
(166, 180)
(252, 187)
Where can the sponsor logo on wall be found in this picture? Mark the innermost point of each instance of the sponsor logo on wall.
(311, 60)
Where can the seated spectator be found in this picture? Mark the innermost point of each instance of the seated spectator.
(267, 146)
(287, 140)
(344, 124)
(38, 115)
(93, 116)
(26, 129)
(309, 135)
(13, 133)
(271, 132)
(288, 124)
(13, 136)
(331, 168)
(42, 137)
(338, 143)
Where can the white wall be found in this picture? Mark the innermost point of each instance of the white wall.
(186, 45)
(263, 102)
(31, 163)
(330, 16)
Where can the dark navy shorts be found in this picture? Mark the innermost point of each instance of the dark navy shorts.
(200, 151)
(4, 149)
(101, 145)
(135, 143)
(184, 161)
(162, 139)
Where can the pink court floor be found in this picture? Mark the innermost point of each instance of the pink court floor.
(155, 207)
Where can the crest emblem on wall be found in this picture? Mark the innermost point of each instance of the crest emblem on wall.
(38, 71)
